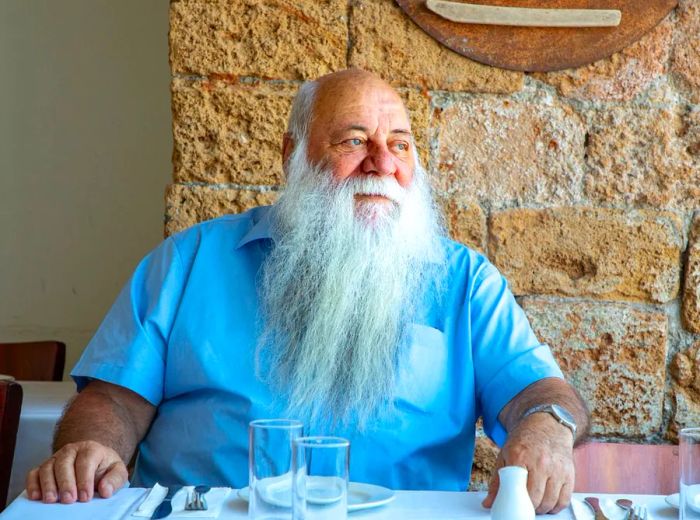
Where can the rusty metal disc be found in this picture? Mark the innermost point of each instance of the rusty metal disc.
(541, 48)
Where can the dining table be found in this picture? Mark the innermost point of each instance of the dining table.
(407, 505)
(42, 406)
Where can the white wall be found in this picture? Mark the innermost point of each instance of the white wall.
(85, 148)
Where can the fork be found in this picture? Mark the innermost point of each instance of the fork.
(639, 513)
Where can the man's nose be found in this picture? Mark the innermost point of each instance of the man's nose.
(379, 161)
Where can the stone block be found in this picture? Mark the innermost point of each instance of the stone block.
(637, 156)
(282, 39)
(466, 223)
(418, 104)
(607, 254)
(485, 454)
(685, 369)
(504, 152)
(691, 283)
(614, 354)
(229, 132)
(685, 61)
(386, 41)
(623, 75)
(186, 206)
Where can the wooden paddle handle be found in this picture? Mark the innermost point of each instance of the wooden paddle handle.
(522, 16)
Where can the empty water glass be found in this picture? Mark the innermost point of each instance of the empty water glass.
(270, 468)
(690, 474)
(320, 488)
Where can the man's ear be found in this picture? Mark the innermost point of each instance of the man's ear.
(287, 148)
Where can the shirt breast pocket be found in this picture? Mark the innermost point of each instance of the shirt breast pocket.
(423, 372)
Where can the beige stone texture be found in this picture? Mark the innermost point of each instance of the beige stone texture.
(229, 132)
(685, 369)
(485, 454)
(686, 53)
(691, 282)
(637, 156)
(418, 105)
(602, 253)
(386, 41)
(614, 354)
(504, 152)
(623, 75)
(466, 223)
(282, 39)
(186, 206)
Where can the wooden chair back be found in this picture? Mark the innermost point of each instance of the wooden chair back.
(33, 361)
(604, 467)
(10, 406)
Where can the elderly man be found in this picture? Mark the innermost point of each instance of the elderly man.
(342, 305)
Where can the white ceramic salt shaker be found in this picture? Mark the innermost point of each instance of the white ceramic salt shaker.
(512, 501)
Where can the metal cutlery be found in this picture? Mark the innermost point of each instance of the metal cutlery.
(594, 504)
(638, 513)
(196, 500)
(626, 504)
(166, 507)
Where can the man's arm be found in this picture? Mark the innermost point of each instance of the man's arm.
(96, 437)
(541, 444)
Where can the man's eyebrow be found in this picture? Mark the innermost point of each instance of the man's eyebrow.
(360, 128)
(365, 129)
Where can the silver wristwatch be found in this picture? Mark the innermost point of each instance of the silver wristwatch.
(561, 414)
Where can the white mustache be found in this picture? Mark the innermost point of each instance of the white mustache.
(383, 186)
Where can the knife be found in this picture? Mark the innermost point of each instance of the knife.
(594, 503)
(523, 16)
(166, 507)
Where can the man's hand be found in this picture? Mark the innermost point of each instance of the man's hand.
(75, 472)
(545, 448)
(99, 430)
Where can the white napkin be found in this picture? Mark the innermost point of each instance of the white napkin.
(215, 501)
(583, 511)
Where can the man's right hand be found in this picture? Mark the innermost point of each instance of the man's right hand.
(75, 472)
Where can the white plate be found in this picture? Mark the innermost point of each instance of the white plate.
(673, 500)
(360, 496)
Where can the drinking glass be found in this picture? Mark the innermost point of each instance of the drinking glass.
(270, 468)
(690, 473)
(320, 476)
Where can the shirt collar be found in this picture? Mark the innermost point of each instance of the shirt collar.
(261, 226)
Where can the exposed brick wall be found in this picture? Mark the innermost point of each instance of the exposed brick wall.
(581, 185)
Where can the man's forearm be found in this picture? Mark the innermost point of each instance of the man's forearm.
(547, 391)
(114, 417)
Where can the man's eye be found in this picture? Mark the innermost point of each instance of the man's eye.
(402, 147)
(355, 141)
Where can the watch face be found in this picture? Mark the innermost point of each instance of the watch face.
(563, 414)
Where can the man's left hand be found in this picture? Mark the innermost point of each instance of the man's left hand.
(545, 448)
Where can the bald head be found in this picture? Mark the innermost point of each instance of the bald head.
(337, 87)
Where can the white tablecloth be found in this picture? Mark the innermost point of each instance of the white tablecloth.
(42, 405)
(409, 505)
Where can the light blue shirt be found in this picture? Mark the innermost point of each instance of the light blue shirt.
(183, 331)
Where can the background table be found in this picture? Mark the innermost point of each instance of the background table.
(409, 505)
(42, 405)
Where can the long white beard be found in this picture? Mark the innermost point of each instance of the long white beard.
(339, 289)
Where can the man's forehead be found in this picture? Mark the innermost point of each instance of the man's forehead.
(357, 104)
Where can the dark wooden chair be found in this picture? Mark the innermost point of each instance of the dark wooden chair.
(33, 361)
(604, 467)
(10, 406)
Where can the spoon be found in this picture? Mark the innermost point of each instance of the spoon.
(624, 503)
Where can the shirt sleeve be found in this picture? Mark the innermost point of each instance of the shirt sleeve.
(508, 357)
(129, 347)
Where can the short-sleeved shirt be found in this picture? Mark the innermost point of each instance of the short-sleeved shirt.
(183, 333)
